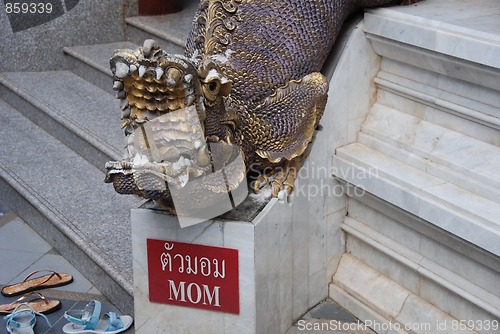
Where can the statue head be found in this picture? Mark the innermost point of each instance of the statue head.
(175, 120)
(151, 83)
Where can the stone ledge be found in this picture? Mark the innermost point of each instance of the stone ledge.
(74, 219)
(97, 56)
(171, 31)
(466, 30)
(456, 210)
(475, 111)
(367, 296)
(79, 114)
(423, 266)
(156, 27)
(436, 150)
(361, 310)
(91, 62)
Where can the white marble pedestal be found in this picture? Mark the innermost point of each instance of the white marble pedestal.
(282, 269)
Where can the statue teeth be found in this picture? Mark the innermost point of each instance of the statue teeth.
(176, 166)
(202, 158)
(190, 99)
(121, 94)
(123, 104)
(159, 73)
(148, 45)
(126, 113)
(117, 85)
(121, 70)
(142, 70)
(173, 76)
(140, 159)
(170, 82)
(133, 68)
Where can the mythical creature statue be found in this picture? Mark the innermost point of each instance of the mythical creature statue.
(249, 85)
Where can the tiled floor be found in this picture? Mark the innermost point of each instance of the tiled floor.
(329, 318)
(23, 251)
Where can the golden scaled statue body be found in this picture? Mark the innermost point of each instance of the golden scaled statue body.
(251, 71)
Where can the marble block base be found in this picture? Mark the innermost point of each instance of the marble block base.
(276, 281)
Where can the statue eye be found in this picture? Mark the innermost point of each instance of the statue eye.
(213, 86)
(214, 89)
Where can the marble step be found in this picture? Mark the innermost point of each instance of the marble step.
(170, 31)
(367, 297)
(457, 39)
(435, 88)
(421, 264)
(91, 62)
(454, 209)
(79, 114)
(63, 197)
(393, 231)
(407, 260)
(464, 107)
(439, 151)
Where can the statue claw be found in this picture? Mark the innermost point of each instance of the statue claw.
(148, 46)
(281, 179)
(260, 183)
(283, 196)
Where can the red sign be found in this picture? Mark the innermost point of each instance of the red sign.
(193, 275)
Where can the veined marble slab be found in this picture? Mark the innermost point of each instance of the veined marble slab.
(467, 29)
(454, 209)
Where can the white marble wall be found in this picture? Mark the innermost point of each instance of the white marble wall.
(432, 277)
(433, 133)
(426, 156)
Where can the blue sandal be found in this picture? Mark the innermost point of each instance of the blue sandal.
(88, 320)
(23, 319)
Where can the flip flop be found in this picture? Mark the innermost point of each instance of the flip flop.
(88, 321)
(51, 280)
(39, 304)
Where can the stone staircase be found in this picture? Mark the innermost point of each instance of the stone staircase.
(422, 229)
(60, 127)
(423, 221)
